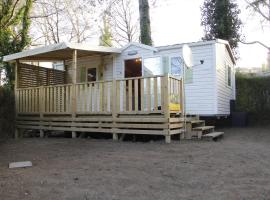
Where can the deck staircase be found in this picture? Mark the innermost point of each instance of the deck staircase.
(196, 129)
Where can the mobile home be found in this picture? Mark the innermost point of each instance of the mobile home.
(136, 89)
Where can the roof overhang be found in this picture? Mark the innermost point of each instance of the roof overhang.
(60, 51)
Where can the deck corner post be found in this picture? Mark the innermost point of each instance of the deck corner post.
(167, 108)
(114, 109)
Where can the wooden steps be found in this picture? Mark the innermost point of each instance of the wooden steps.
(197, 129)
(213, 135)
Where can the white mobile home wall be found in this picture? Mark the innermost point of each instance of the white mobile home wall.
(207, 94)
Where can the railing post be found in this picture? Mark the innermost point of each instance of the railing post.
(167, 108)
(73, 107)
(114, 108)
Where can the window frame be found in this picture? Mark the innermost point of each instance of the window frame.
(228, 75)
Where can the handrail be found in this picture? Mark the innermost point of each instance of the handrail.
(152, 94)
(102, 81)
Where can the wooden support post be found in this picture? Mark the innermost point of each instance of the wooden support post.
(73, 94)
(168, 139)
(16, 74)
(74, 66)
(73, 134)
(17, 133)
(41, 108)
(41, 133)
(166, 97)
(188, 131)
(115, 136)
(114, 108)
(182, 136)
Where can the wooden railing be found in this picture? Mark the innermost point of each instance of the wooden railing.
(27, 100)
(94, 97)
(56, 99)
(140, 95)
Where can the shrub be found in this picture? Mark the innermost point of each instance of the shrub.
(7, 113)
(253, 97)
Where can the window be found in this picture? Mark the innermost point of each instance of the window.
(91, 74)
(229, 75)
(152, 66)
(176, 66)
(177, 69)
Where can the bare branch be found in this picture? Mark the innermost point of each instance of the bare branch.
(257, 42)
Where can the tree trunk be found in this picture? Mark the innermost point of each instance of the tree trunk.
(145, 22)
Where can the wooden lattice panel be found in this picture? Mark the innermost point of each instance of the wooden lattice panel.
(34, 76)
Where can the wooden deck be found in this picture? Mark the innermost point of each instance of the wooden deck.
(149, 105)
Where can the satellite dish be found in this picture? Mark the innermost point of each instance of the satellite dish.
(187, 55)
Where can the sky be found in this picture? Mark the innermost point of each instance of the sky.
(178, 21)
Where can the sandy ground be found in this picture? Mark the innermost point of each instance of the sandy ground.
(237, 167)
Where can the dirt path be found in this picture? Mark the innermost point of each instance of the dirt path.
(238, 167)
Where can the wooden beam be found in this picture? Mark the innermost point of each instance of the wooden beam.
(17, 74)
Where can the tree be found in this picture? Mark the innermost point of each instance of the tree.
(262, 8)
(106, 35)
(220, 19)
(56, 21)
(123, 21)
(145, 26)
(14, 28)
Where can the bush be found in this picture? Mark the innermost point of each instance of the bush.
(7, 113)
(253, 97)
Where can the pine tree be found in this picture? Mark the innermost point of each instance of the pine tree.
(145, 25)
(220, 19)
(14, 28)
(106, 35)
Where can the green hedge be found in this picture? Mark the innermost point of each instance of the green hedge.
(253, 97)
(7, 113)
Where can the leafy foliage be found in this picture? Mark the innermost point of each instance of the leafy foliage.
(14, 27)
(220, 20)
(253, 96)
(145, 23)
(106, 35)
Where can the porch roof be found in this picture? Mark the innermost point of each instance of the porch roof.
(60, 51)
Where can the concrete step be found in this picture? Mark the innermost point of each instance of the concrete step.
(203, 128)
(213, 135)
